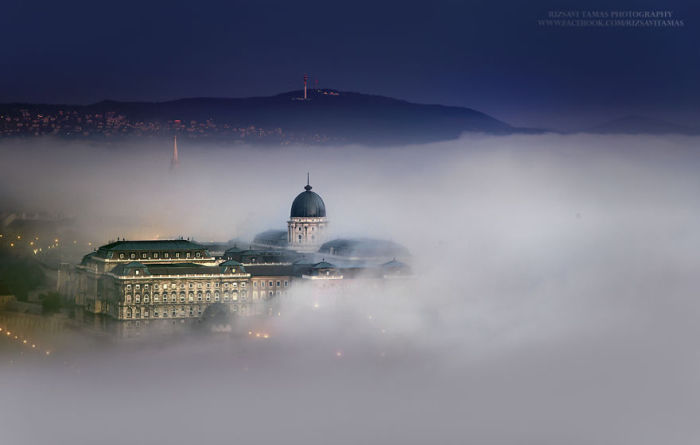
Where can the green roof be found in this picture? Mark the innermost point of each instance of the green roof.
(134, 265)
(177, 244)
(323, 265)
(230, 263)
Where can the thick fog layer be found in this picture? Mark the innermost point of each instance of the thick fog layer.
(555, 297)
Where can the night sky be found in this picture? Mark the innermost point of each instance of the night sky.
(488, 55)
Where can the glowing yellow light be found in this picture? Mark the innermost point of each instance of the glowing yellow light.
(250, 332)
(24, 341)
(338, 353)
(56, 240)
(257, 334)
(19, 236)
(33, 346)
(89, 244)
(8, 333)
(12, 244)
(315, 305)
(266, 336)
(15, 337)
(48, 352)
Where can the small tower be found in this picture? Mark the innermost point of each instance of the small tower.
(306, 228)
(174, 162)
(306, 79)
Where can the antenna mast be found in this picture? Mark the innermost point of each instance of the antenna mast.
(174, 162)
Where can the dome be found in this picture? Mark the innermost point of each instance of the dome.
(308, 204)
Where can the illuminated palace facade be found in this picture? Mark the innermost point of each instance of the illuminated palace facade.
(180, 279)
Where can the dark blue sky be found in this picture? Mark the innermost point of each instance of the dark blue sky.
(489, 55)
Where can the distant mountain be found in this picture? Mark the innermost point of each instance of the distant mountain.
(327, 116)
(641, 125)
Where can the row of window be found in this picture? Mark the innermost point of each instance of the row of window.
(172, 313)
(208, 298)
(190, 285)
(271, 283)
(157, 255)
(190, 297)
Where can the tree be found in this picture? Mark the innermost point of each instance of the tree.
(51, 303)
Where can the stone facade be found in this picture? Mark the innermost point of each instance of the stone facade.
(306, 234)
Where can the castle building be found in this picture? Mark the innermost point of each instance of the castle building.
(157, 279)
(180, 279)
(306, 228)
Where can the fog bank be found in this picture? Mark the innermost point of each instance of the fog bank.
(554, 298)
